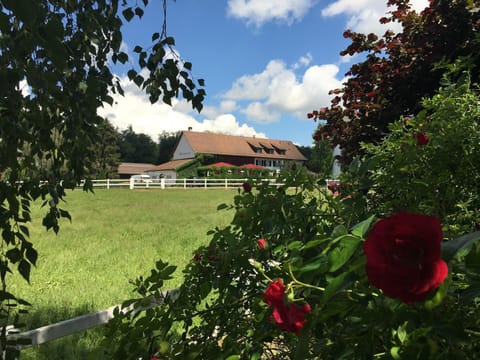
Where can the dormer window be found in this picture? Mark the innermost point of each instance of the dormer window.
(279, 151)
(258, 150)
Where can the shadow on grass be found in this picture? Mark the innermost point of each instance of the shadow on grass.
(71, 347)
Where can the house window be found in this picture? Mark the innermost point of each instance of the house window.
(258, 150)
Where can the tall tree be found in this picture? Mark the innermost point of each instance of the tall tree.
(400, 70)
(106, 153)
(137, 148)
(54, 74)
(166, 145)
(319, 158)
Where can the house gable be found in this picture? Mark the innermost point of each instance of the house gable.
(183, 150)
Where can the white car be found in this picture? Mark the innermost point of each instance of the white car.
(141, 178)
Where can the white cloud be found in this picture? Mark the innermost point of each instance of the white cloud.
(363, 15)
(259, 12)
(277, 90)
(135, 109)
(303, 61)
(261, 112)
(225, 107)
(255, 87)
(227, 124)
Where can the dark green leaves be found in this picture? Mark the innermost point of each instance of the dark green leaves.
(343, 251)
(454, 247)
(128, 14)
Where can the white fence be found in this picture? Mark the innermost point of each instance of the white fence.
(78, 324)
(205, 183)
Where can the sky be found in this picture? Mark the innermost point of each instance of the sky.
(266, 63)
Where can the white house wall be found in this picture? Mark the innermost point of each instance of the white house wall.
(183, 150)
(166, 174)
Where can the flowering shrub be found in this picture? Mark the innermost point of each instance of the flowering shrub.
(435, 175)
(374, 273)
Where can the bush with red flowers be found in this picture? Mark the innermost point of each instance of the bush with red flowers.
(389, 269)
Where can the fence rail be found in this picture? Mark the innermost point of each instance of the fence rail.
(205, 183)
(78, 324)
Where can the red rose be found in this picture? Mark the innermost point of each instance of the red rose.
(422, 139)
(403, 256)
(262, 243)
(197, 257)
(247, 187)
(290, 317)
(275, 293)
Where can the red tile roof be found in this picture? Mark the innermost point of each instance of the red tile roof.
(220, 144)
(133, 168)
(170, 165)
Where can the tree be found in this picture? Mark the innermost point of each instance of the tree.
(54, 74)
(400, 70)
(166, 145)
(106, 153)
(319, 157)
(139, 148)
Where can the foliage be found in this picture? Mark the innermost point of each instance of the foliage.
(137, 148)
(293, 243)
(166, 145)
(319, 158)
(54, 74)
(379, 89)
(440, 175)
(105, 152)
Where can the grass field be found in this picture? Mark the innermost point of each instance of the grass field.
(115, 236)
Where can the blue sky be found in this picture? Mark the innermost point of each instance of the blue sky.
(266, 63)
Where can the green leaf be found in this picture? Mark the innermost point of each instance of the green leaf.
(131, 74)
(32, 255)
(187, 65)
(138, 49)
(233, 357)
(169, 41)
(128, 14)
(24, 269)
(122, 57)
(155, 36)
(222, 206)
(139, 12)
(343, 251)
(362, 228)
(320, 261)
(338, 231)
(334, 286)
(138, 80)
(14, 255)
(452, 247)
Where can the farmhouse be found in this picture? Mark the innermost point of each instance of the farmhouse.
(235, 150)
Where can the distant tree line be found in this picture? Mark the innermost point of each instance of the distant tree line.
(114, 146)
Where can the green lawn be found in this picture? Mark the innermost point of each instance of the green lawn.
(115, 236)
